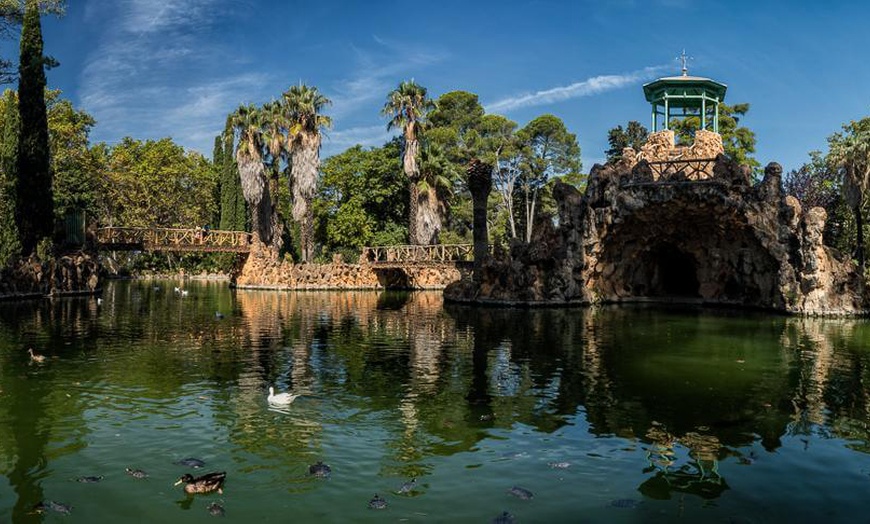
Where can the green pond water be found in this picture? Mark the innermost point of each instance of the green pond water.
(605, 415)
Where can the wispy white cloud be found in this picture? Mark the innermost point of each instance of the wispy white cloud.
(378, 71)
(151, 16)
(157, 73)
(588, 87)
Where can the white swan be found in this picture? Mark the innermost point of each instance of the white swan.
(280, 398)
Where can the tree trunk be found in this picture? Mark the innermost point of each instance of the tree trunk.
(412, 212)
(859, 224)
(306, 163)
(530, 212)
(428, 218)
(480, 185)
(412, 171)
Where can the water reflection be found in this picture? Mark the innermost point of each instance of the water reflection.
(401, 384)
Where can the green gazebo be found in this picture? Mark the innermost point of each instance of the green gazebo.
(684, 96)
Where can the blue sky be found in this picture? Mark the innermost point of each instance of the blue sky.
(156, 68)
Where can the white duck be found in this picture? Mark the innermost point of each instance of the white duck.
(39, 359)
(281, 398)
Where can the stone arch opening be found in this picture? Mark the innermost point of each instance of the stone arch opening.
(685, 250)
(675, 272)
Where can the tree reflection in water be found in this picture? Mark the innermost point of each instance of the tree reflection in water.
(692, 389)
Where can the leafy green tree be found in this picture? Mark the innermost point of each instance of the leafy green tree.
(73, 162)
(738, 141)
(454, 126)
(633, 136)
(306, 121)
(34, 202)
(156, 184)
(499, 148)
(849, 155)
(362, 198)
(407, 107)
(547, 150)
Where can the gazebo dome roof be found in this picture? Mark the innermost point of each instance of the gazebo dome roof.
(675, 86)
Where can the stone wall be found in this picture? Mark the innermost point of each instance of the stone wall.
(721, 240)
(76, 273)
(261, 271)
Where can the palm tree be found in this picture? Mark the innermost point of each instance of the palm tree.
(407, 107)
(850, 153)
(274, 123)
(433, 184)
(248, 121)
(305, 122)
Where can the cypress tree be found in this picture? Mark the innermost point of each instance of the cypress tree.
(34, 203)
(233, 205)
(10, 245)
(217, 195)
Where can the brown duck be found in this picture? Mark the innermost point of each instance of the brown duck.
(204, 484)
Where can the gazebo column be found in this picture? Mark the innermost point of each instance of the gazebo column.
(667, 113)
(703, 112)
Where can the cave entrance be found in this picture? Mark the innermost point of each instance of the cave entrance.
(676, 272)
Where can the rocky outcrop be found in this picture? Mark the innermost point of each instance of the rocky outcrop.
(261, 271)
(75, 273)
(716, 240)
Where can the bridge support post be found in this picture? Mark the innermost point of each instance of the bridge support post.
(480, 184)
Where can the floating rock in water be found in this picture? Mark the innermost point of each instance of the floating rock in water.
(504, 518)
(90, 480)
(409, 486)
(625, 503)
(559, 465)
(190, 463)
(216, 510)
(137, 473)
(521, 493)
(378, 502)
(319, 470)
(58, 507)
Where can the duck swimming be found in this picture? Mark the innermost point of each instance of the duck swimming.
(204, 484)
(283, 399)
(378, 502)
(408, 487)
(319, 470)
(90, 480)
(39, 359)
(216, 510)
(136, 473)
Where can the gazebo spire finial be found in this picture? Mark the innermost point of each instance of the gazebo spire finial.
(684, 59)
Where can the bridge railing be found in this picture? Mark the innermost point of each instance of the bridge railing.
(170, 239)
(679, 170)
(436, 253)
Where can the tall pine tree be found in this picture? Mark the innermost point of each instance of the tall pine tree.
(34, 207)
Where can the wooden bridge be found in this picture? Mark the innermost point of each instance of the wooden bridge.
(404, 256)
(165, 239)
